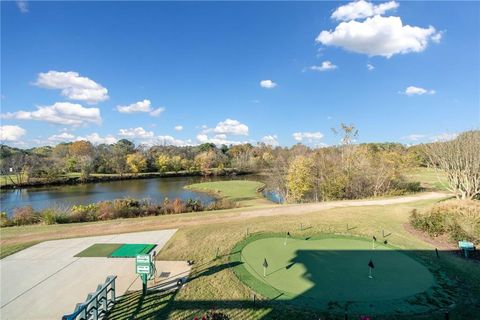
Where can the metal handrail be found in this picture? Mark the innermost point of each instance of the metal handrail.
(96, 304)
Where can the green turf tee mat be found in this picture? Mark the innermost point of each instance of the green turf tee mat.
(132, 250)
(99, 250)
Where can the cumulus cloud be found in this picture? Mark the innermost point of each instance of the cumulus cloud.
(218, 139)
(167, 141)
(271, 140)
(267, 84)
(95, 138)
(157, 112)
(362, 9)
(417, 91)
(178, 128)
(22, 6)
(62, 137)
(64, 113)
(370, 67)
(325, 66)
(73, 86)
(134, 133)
(11, 133)
(422, 138)
(140, 106)
(229, 126)
(309, 137)
(378, 36)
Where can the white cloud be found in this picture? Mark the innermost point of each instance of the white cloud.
(446, 136)
(136, 133)
(62, 137)
(325, 66)
(422, 138)
(309, 137)
(378, 36)
(167, 141)
(73, 86)
(437, 37)
(141, 106)
(267, 84)
(415, 137)
(178, 128)
(362, 9)
(230, 126)
(11, 133)
(218, 139)
(64, 113)
(417, 91)
(22, 6)
(271, 140)
(157, 112)
(95, 138)
(370, 67)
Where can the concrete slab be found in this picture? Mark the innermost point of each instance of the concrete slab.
(46, 281)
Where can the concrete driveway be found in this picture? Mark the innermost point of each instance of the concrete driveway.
(46, 281)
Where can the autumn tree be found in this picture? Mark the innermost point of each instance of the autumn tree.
(299, 178)
(459, 159)
(137, 162)
(163, 163)
(176, 163)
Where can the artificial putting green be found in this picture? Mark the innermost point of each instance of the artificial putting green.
(132, 250)
(99, 250)
(325, 271)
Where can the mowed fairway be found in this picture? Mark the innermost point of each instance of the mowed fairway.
(333, 269)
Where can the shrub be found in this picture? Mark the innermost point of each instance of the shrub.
(4, 221)
(83, 213)
(221, 204)
(54, 215)
(460, 219)
(25, 215)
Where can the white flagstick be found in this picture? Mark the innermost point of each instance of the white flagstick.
(264, 271)
(370, 272)
(285, 242)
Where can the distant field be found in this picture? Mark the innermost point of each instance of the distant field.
(244, 192)
(428, 177)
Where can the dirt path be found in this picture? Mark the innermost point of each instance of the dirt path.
(181, 220)
(311, 207)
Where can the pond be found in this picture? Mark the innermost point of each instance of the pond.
(155, 189)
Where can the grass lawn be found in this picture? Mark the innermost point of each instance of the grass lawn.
(428, 178)
(214, 284)
(316, 271)
(244, 192)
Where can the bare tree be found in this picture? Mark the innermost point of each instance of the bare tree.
(459, 159)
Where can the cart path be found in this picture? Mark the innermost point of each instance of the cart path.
(202, 218)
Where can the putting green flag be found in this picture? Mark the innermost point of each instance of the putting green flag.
(265, 266)
(370, 264)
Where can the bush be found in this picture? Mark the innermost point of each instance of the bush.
(55, 215)
(4, 221)
(25, 215)
(460, 219)
(83, 213)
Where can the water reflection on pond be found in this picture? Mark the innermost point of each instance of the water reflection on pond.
(156, 190)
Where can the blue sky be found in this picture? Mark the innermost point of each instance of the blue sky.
(228, 72)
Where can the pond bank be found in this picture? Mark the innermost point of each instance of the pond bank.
(95, 178)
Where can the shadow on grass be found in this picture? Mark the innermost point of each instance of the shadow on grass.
(433, 302)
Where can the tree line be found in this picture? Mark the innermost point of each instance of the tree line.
(298, 173)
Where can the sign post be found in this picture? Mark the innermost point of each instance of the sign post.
(143, 267)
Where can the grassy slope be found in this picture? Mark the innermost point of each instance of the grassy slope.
(244, 192)
(215, 286)
(428, 178)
